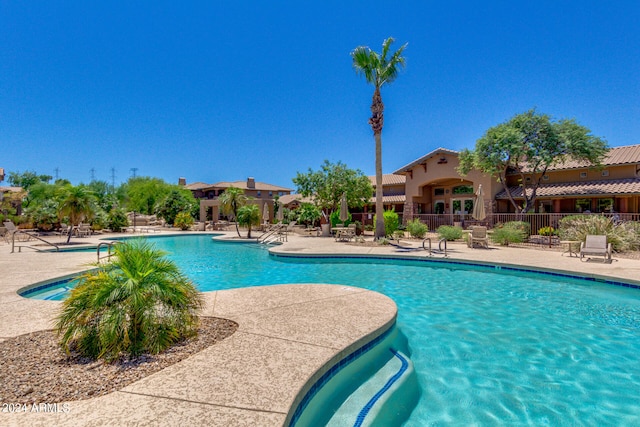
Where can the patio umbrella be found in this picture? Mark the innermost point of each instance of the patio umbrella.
(280, 215)
(265, 213)
(478, 207)
(344, 209)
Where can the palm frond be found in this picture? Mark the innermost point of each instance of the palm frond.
(140, 302)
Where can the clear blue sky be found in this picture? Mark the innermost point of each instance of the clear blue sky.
(217, 90)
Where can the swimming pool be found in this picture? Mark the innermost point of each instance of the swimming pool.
(489, 346)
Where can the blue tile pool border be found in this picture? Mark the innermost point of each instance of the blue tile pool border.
(333, 371)
(488, 266)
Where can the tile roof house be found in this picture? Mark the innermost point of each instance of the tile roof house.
(434, 187)
(577, 187)
(259, 192)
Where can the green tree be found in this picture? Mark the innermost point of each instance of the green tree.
(143, 193)
(76, 203)
(527, 145)
(176, 201)
(117, 219)
(327, 185)
(27, 178)
(378, 70)
(231, 200)
(308, 213)
(140, 302)
(104, 194)
(249, 215)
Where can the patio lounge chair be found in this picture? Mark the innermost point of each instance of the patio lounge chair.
(11, 230)
(478, 236)
(597, 246)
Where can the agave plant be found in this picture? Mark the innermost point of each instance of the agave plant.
(138, 303)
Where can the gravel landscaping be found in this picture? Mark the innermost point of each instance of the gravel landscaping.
(33, 367)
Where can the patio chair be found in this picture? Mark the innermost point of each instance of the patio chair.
(11, 230)
(83, 230)
(478, 236)
(596, 246)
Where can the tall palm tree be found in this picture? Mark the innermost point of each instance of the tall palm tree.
(77, 204)
(231, 200)
(140, 302)
(378, 70)
(249, 215)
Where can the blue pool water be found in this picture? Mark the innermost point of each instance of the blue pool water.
(490, 347)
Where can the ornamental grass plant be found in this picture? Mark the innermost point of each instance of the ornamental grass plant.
(623, 236)
(137, 303)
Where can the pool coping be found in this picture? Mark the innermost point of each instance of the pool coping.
(243, 304)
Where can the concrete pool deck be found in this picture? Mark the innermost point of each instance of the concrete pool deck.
(286, 334)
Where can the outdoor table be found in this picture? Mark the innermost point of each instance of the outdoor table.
(568, 245)
(342, 233)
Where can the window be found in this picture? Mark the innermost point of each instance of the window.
(583, 205)
(438, 192)
(438, 207)
(545, 177)
(605, 173)
(605, 205)
(259, 194)
(270, 193)
(583, 174)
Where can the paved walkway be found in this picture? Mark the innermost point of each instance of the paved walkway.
(287, 335)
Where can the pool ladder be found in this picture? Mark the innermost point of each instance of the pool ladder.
(109, 246)
(440, 250)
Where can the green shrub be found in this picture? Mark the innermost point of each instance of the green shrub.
(547, 231)
(335, 219)
(523, 226)
(183, 220)
(308, 214)
(117, 220)
(391, 222)
(417, 229)
(289, 215)
(137, 303)
(44, 215)
(449, 232)
(505, 235)
(99, 220)
(623, 236)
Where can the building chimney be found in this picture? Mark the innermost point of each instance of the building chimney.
(251, 182)
(182, 181)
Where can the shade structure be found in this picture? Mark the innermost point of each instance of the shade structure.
(344, 209)
(265, 213)
(478, 207)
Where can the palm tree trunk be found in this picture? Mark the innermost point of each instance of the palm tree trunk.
(376, 121)
(235, 217)
(70, 231)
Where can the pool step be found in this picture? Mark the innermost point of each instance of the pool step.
(385, 399)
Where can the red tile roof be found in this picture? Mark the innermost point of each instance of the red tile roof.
(580, 189)
(390, 199)
(389, 179)
(628, 154)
